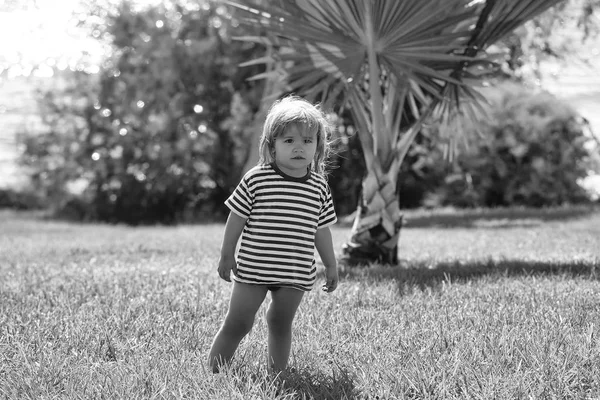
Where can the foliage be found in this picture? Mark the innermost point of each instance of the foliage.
(560, 34)
(532, 152)
(486, 173)
(159, 135)
(54, 157)
(20, 199)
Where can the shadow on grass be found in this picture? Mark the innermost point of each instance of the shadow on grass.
(488, 218)
(496, 218)
(307, 384)
(425, 276)
(293, 383)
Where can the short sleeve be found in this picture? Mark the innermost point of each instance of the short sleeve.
(240, 201)
(327, 217)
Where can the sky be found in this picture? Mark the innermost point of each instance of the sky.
(40, 33)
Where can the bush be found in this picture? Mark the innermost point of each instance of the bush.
(532, 152)
(20, 200)
(150, 137)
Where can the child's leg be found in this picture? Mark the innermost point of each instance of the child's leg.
(280, 316)
(245, 302)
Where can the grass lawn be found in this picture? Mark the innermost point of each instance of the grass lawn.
(498, 304)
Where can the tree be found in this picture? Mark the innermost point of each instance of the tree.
(395, 64)
(160, 132)
(565, 33)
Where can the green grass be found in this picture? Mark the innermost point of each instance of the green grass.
(490, 304)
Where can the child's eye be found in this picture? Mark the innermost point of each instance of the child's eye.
(308, 141)
(288, 141)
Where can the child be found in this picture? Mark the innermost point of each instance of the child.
(282, 208)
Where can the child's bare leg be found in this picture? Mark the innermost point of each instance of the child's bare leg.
(245, 302)
(280, 316)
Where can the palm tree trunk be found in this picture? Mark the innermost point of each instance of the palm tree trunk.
(378, 220)
(377, 224)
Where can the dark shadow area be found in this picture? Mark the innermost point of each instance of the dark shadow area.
(426, 276)
(46, 217)
(487, 218)
(307, 384)
(496, 218)
(296, 383)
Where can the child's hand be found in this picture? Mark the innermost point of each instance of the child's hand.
(332, 279)
(226, 265)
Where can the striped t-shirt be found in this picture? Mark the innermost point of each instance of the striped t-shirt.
(282, 215)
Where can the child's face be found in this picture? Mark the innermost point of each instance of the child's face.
(295, 150)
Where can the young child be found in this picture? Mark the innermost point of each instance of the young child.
(282, 209)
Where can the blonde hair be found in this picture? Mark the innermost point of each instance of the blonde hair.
(296, 110)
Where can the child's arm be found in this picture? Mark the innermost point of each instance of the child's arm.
(324, 245)
(233, 230)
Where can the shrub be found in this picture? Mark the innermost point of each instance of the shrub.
(20, 200)
(532, 152)
(151, 135)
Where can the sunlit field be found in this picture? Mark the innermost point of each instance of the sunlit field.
(500, 304)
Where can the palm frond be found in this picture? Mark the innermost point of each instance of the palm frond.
(428, 54)
(331, 36)
(460, 107)
(507, 15)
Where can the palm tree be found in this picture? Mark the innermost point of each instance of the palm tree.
(394, 64)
